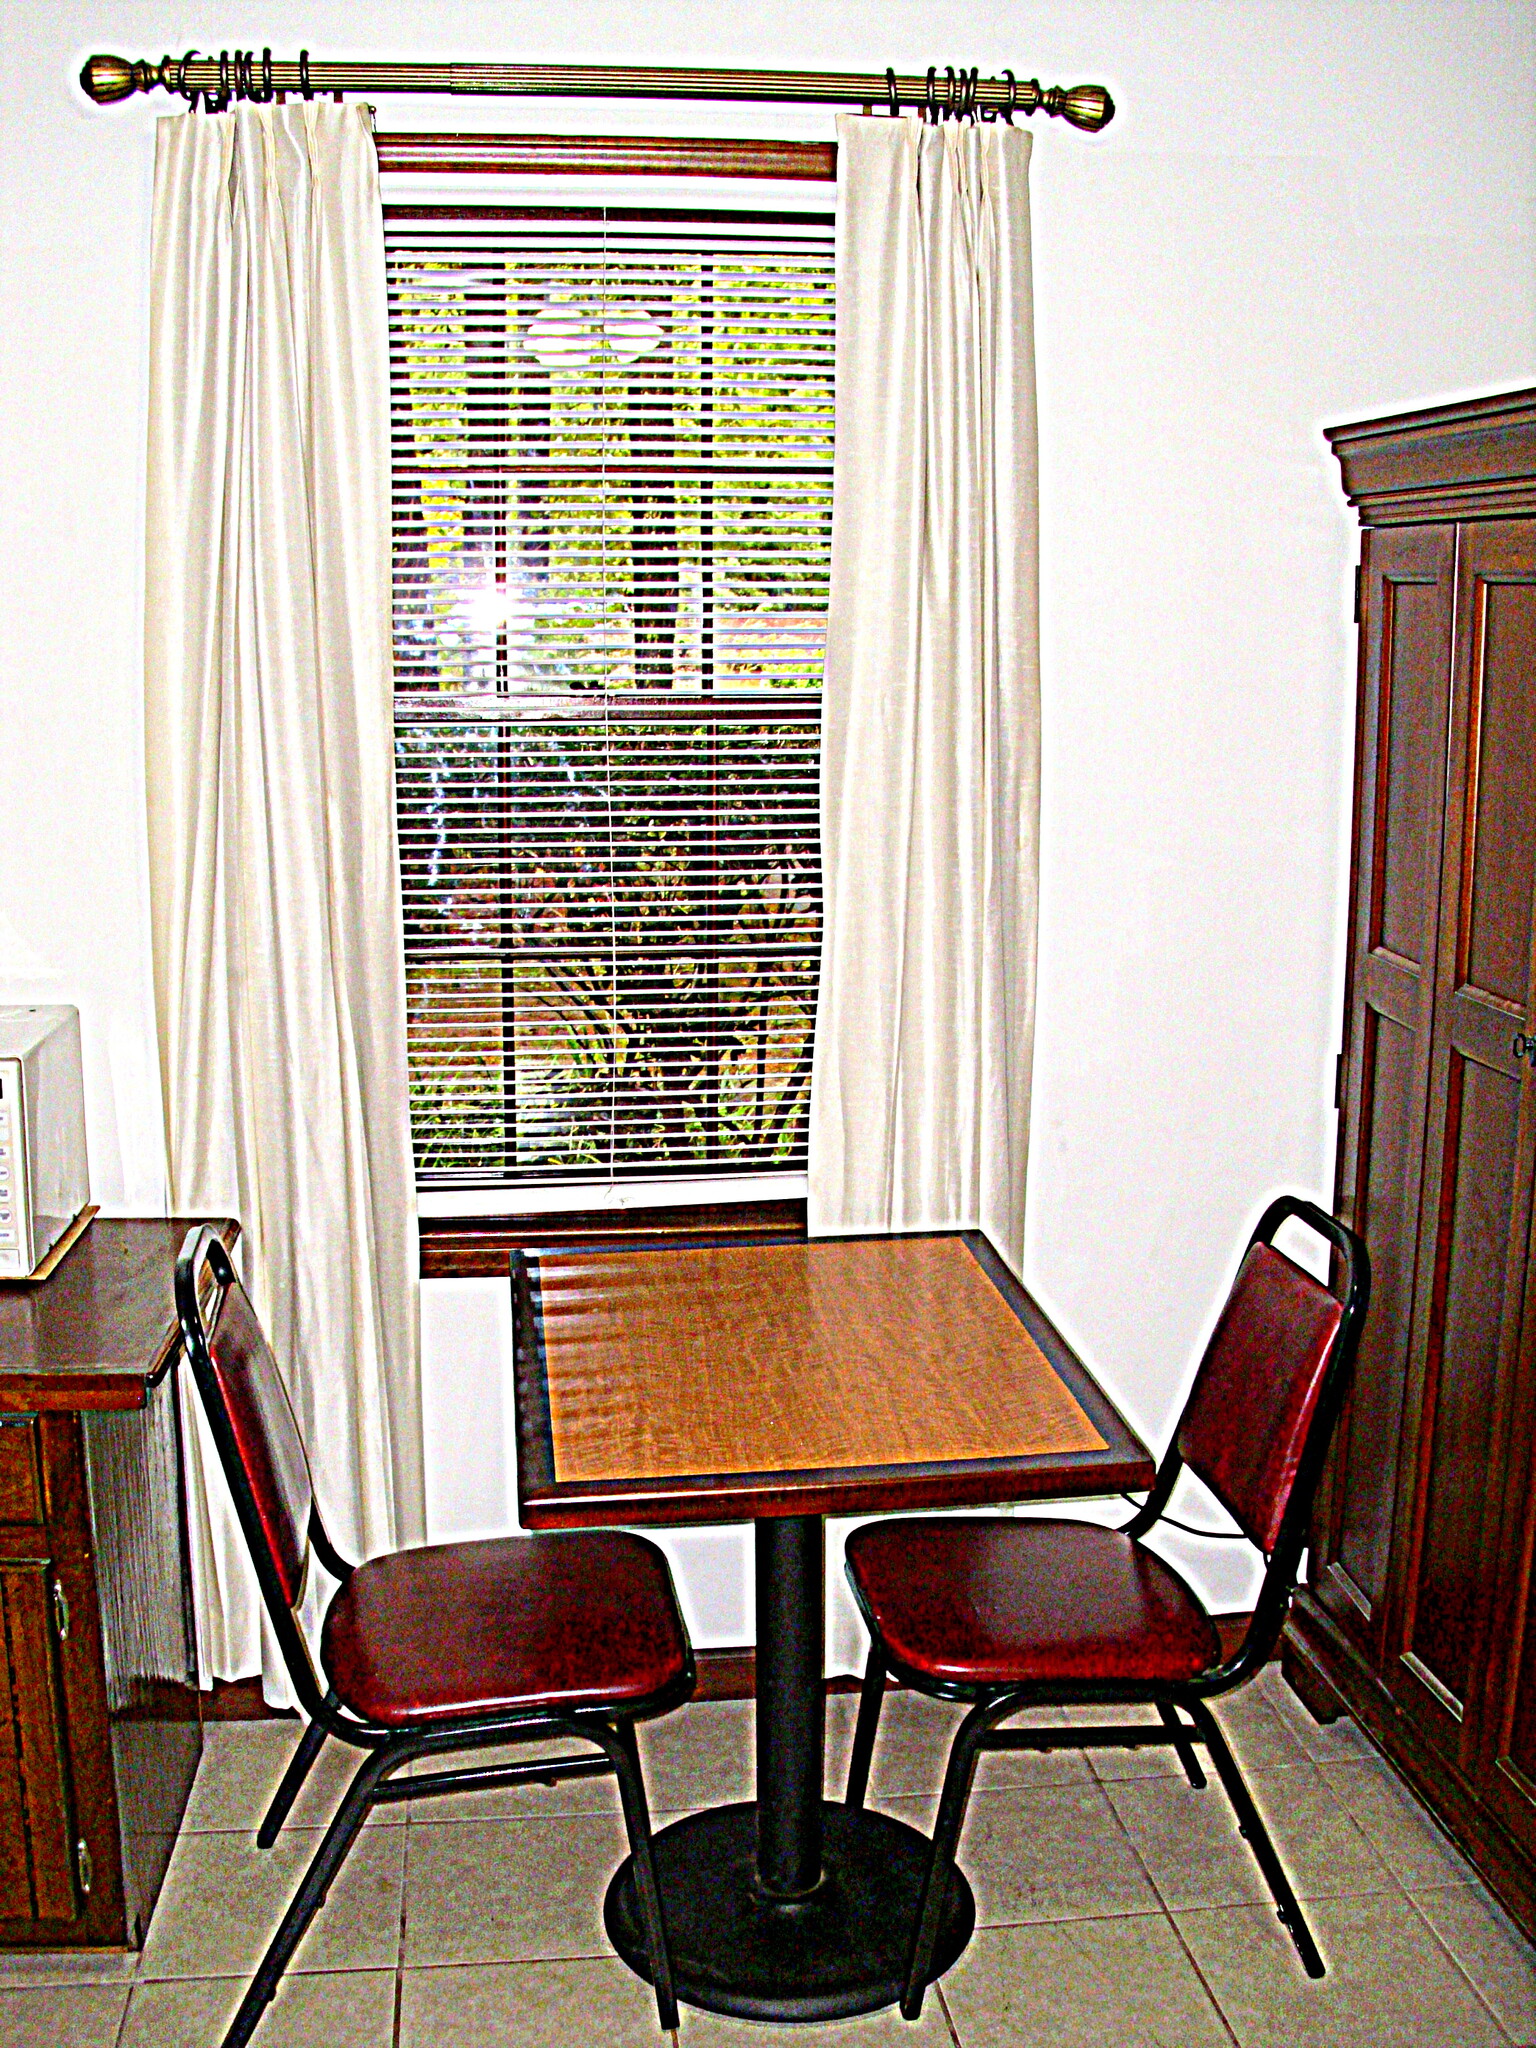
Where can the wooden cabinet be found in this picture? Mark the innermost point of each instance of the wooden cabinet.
(1418, 1617)
(100, 1732)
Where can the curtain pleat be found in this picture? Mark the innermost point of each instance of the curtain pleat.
(931, 709)
(274, 871)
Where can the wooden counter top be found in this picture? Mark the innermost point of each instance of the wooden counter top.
(845, 1376)
(101, 1329)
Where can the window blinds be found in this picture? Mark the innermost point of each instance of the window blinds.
(612, 520)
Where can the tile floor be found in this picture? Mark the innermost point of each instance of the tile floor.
(1117, 1908)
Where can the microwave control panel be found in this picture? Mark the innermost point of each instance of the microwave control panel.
(15, 1225)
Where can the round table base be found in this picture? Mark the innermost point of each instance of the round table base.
(844, 1950)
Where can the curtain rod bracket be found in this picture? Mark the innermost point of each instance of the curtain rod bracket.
(239, 75)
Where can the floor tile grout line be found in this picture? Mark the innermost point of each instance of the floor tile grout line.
(122, 2018)
(1456, 1962)
(1205, 1983)
(1178, 1933)
(1349, 1813)
(405, 1884)
(949, 2018)
(1390, 1881)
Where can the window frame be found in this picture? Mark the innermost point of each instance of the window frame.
(472, 1231)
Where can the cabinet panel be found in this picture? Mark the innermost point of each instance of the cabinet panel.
(1499, 1003)
(1446, 1597)
(1392, 1142)
(1410, 775)
(1496, 922)
(35, 1794)
(21, 1479)
(1478, 1154)
(1409, 583)
(15, 1867)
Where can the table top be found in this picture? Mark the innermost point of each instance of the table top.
(101, 1329)
(722, 1381)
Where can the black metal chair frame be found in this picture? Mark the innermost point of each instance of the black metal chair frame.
(377, 1781)
(980, 1731)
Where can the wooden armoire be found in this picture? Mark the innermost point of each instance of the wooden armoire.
(1418, 1616)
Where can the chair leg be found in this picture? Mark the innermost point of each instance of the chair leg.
(1251, 1827)
(310, 1896)
(958, 1775)
(300, 1764)
(871, 1698)
(1182, 1745)
(625, 1754)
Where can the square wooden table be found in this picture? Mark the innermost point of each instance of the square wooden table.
(779, 1383)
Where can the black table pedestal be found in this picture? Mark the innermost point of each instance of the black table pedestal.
(842, 1950)
(792, 1908)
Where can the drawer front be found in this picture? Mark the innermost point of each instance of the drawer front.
(21, 1477)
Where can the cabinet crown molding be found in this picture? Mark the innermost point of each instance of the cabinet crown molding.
(1473, 460)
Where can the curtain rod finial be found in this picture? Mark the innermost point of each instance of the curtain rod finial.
(105, 79)
(1085, 106)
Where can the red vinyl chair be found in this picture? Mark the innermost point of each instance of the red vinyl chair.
(1011, 1614)
(453, 1647)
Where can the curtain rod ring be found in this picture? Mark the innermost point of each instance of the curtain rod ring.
(1013, 97)
(971, 92)
(930, 107)
(243, 80)
(949, 92)
(304, 85)
(268, 90)
(891, 92)
(181, 82)
(215, 103)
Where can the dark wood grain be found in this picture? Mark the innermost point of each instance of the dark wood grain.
(102, 1328)
(16, 1897)
(21, 1479)
(100, 1670)
(1443, 463)
(468, 1247)
(1409, 585)
(1479, 1154)
(1419, 1617)
(25, 1590)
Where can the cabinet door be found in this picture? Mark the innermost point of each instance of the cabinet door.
(1479, 1150)
(37, 1875)
(1409, 590)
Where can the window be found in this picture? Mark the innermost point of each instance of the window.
(612, 521)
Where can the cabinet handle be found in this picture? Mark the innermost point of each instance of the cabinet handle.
(83, 1866)
(60, 1612)
(1524, 1048)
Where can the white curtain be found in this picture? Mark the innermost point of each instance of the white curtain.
(274, 876)
(931, 711)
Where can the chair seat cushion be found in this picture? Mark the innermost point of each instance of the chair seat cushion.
(991, 1602)
(585, 1620)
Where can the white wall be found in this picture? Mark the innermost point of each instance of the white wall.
(1301, 214)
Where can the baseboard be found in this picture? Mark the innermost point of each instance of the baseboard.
(240, 1699)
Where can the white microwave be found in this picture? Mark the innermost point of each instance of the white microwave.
(43, 1182)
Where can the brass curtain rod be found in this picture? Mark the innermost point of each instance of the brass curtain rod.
(243, 75)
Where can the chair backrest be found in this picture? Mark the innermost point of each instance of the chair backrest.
(1280, 1342)
(251, 1419)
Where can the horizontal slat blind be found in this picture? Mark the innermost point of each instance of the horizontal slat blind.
(612, 512)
